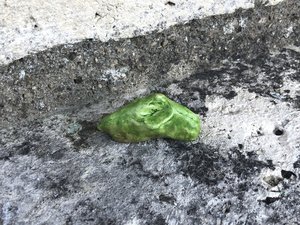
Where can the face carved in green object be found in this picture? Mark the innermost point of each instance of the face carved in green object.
(154, 116)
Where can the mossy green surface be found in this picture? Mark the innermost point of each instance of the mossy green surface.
(154, 116)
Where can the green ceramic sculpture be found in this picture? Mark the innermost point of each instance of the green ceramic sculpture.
(154, 116)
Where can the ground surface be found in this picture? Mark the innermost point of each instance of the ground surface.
(33, 25)
(239, 72)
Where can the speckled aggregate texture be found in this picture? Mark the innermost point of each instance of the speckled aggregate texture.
(239, 72)
(41, 25)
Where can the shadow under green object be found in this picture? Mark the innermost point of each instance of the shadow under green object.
(154, 116)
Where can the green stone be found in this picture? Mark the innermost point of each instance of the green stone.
(154, 116)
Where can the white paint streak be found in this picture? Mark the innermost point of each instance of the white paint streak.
(33, 25)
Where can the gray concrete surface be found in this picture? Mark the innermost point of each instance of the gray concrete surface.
(239, 72)
(40, 25)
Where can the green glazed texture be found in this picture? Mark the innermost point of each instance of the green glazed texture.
(154, 116)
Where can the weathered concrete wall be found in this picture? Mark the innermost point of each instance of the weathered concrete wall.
(239, 71)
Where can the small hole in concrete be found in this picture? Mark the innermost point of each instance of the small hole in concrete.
(57, 155)
(170, 3)
(78, 80)
(97, 14)
(230, 95)
(72, 55)
(168, 199)
(287, 174)
(259, 133)
(270, 200)
(278, 131)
